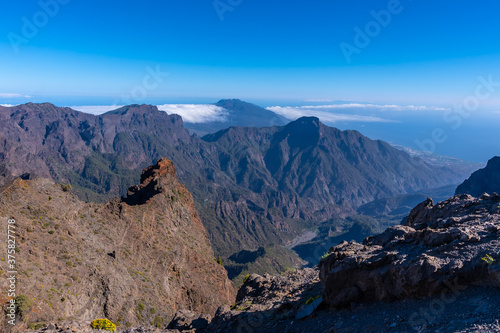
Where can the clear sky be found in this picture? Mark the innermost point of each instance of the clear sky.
(279, 54)
(427, 52)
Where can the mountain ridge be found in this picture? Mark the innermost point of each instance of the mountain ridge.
(252, 186)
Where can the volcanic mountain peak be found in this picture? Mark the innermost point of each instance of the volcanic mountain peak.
(231, 102)
(238, 113)
(237, 104)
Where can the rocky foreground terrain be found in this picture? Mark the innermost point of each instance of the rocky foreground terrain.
(438, 272)
(135, 261)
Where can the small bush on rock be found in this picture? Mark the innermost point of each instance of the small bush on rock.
(103, 324)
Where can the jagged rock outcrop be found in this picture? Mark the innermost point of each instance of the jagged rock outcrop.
(135, 261)
(151, 182)
(265, 301)
(439, 245)
(485, 180)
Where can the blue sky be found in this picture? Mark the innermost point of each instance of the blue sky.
(429, 53)
(285, 53)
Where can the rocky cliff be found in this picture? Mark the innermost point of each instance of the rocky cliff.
(437, 246)
(485, 180)
(135, 261)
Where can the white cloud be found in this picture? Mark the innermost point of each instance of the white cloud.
(325, 116)
(7, 95)
(327, 113)
(196, 113)
(95, 109)
(375, 107)
(7, 105)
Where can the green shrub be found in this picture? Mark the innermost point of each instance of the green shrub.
(23, 305)
(51, 232)
(158, 322)
(103, 324)
(324, 256)
(37, 326)
(66, 187)
(140, 307)
(245, 279)
(219, 260)
(312, 299)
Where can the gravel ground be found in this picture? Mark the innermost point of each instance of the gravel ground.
(474, 309)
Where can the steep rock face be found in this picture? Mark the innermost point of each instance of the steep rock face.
(135, 261)
(486, 180)
(439, 245)
(151, 182)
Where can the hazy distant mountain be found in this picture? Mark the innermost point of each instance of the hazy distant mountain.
(239, 113)
(486, 180)
(252, 186)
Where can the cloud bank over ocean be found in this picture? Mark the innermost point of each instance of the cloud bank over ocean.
(355, 112)
(196, 113)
